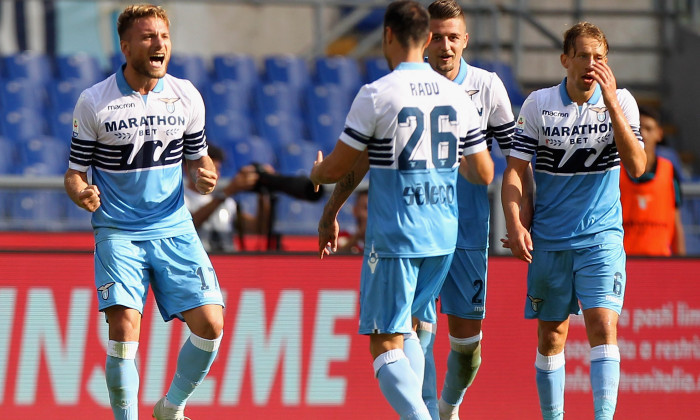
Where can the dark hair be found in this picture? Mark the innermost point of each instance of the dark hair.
(586, 29)
(409, 22)
(445, 9)
(137, 11)
(650, 112)
(216, 153)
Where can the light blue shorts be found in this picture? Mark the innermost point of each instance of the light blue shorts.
(177, 269)
(464, 292)
(559, 281)
(392, 290)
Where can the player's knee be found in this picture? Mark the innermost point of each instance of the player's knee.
(470, 347)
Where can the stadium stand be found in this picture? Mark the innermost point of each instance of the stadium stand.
(82, 68)
(190, 67)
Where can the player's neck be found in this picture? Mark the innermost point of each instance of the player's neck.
(138, 82)
(577, 95)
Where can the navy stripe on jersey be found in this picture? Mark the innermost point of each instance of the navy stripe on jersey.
(503, 134)
(81, 151)
(116, 157)
(380, 151)
(474, 137)
(356, 135)
(553, 161)
(524, 144)
(195, 142)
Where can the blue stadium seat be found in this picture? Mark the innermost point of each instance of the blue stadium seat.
(287, 68)
(21, 93)
(37, 209)
(191, 67)
(8, 157)
(22, 124)
(328, 107)
(61, 123)
(277, 97)
(228, 95)
(297, 217)
(339, 70)
(28, 65)
(64, 94)
(328, 98)
(280, 128)
(297, 158)
(81, 66)
(375, 67)
(240, 68)
(226, 126)
(253, 150)
(43, 156)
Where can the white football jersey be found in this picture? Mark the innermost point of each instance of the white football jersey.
(577, 199)
(134, 145)
(416, 125)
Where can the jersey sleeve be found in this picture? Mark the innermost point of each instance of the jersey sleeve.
(84, 139)
(471, 138)
(526, 133)
(195, 139)
(361, 121)
(501, 121)
(631, 111)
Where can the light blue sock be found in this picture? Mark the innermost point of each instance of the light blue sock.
(122, 379)
(462, 365)
(605, 378)
(193, 363)
(414, 353)
(426, 336)
(399, 385)
(550, 378)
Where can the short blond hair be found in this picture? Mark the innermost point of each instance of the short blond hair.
(586, 29)
(137, 11)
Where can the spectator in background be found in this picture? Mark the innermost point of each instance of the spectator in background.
(651, 215)
(217, 216)
(355, 243)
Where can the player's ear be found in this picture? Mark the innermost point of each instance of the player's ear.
(564, 58)
(124, 47)
(466, 40)
(427, 41)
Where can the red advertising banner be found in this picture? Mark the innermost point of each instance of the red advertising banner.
(290, 348)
